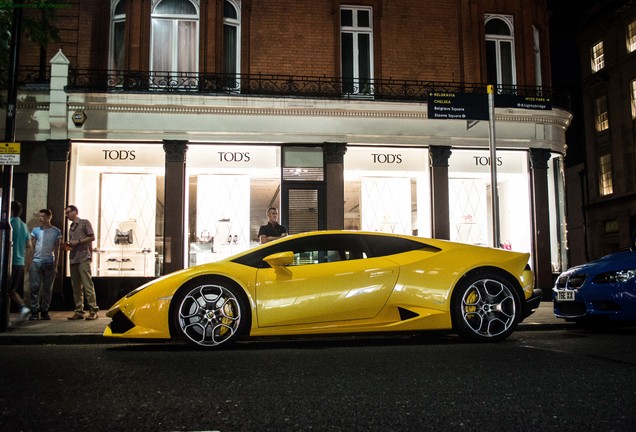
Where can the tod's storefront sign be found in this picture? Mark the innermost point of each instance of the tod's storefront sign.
(197, 156)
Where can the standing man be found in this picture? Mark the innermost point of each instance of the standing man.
(80, 247)
(45, 242)
(21, 242)
(272, 230)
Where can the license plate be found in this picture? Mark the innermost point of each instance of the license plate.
(565, 295)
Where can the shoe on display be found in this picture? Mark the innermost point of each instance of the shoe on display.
(92, 316)
(24, 313)
(76, 316)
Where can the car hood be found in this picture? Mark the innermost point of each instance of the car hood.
(616, 261)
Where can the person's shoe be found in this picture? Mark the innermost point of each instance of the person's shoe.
(76, 316)
(34, 316)
(24, 312)
(45, 316)
(92, 316)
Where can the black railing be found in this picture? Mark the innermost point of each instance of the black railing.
(87, 81)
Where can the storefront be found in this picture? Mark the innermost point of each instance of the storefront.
(120, 186)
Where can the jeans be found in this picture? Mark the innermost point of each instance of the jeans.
(42, 275)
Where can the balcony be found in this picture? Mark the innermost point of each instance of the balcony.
(275, 85)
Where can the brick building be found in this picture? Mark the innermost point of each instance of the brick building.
(606, 178)
(174, 124)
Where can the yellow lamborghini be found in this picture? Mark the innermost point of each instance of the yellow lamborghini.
(328, 282)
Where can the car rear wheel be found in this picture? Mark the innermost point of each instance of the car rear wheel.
(209, 314)
(486, 308)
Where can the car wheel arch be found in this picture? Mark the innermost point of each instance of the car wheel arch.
(208, 279)
(475, 274)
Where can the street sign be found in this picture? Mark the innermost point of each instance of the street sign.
(524, 102)
(9, 153)
(457, 106)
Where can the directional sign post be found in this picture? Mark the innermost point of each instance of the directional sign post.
(457, 106)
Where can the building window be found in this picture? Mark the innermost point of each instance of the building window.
(633, 97)
(500, 52)
(117, 32)
(631, 36)
(175, 34)
(356, 49)
(231, 42)
(600, 113)
(537, 56)
(605, 175)
(598, 58)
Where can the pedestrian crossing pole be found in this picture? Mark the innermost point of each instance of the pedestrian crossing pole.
(493, 167)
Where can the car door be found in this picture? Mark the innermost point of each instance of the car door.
(327, 282)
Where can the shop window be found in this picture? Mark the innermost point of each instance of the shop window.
(230, 190)
(631, 37)
(470, 198)
(356, 49)
(605, 175)
(231, 42)
(598, 58)
(387, 190)
(600, 113)
(117, 34)
(119, 188)
(500, 52)
(175, 33)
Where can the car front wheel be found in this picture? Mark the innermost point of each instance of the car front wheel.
(486, 308)
(209, 313)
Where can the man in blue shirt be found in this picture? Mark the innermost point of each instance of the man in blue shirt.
(21, 242)
(45, 242)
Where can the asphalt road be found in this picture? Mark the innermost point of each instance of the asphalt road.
(565, 380)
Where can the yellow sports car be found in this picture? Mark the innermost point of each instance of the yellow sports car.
(328, 282)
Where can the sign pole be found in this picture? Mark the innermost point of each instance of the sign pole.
(493, 167)
(7, 170)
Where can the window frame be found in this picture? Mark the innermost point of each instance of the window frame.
(232, 83)
(630, 36)
(357, 84)
(116, 19)
(498, 41)
(597, 56)
(605, 181)
(601, 114)
(175, 19)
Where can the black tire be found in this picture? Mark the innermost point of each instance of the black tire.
(209, 313)
(485, 307)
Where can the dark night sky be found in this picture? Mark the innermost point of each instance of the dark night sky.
(564, 51)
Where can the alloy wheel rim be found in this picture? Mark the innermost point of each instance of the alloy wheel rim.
(488, 308)
(209, 315)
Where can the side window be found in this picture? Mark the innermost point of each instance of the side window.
(328, 248)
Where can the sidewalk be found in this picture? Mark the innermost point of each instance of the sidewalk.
(60, 330)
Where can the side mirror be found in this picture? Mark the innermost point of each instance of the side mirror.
(280, 259)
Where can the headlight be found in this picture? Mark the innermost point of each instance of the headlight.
(615, 276)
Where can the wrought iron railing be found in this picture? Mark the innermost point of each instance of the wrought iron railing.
(87, 81)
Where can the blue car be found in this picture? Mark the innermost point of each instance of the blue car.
(603, 289)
